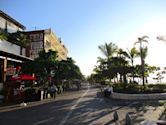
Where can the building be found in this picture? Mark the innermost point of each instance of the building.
(7, 22)
(12, 53)
(45, 39)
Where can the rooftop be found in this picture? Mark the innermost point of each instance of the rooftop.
(4, 15)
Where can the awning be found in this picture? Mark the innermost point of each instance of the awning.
(23, 78)
(13, 56)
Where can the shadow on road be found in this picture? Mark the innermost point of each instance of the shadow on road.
(44, 114)
(96, 109)
(93, 109)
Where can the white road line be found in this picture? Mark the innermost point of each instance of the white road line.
(72, 108)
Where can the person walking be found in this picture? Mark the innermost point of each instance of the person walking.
(53, 91)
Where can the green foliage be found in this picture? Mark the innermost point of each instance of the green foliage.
(3, 34)
(157, 86)
(108, 49)
(136, 89)
(129, 88)
(32, 94)
(67, 70)
(116, 64)
(143, 54)
(18, 38)
(47, 65)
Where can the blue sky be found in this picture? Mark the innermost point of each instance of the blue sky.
(83, 25)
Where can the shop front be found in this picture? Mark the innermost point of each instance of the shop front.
(10, 67)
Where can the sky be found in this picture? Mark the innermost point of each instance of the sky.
(83, 25)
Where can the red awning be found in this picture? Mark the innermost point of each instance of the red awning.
(23, 78)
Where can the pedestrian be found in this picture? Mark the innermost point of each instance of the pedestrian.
(53, 90)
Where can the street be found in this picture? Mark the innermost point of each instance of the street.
(84, 107)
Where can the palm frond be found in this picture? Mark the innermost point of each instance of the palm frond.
(108, 49)
(145, 52)
(136, 42)
(144, 37)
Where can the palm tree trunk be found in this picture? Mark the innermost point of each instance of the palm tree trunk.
(143, 76)
(142, 64)
(133, 71)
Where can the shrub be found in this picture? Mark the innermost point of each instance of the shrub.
(135, 88)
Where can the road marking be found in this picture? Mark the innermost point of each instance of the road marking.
(73, 107)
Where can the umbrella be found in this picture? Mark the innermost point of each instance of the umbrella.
(23, 77)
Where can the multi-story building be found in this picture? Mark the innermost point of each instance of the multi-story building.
(10, 24)
(12, 54)
(46, 39)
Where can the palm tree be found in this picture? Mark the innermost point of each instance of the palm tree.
(144, 55)
(144, 52)
(108, 49)
(121, 53)
(140, 41)
(120, 60)
(131, 54)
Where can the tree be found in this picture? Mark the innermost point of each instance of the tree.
(160, 74)
(68, 70)
(131, 54)
(140, 41)
(100, 71)
(42, 66)
(108, 49)
(20, 39)
(121, 53)
(150, 69)
(119, 65)
(120, 62)
(103, 65)
(47, 60)
(47, 66)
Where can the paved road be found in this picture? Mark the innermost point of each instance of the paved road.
(85, 107)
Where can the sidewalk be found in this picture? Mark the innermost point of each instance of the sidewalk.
(4, 107)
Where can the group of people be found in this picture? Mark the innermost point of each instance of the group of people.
(52, 90)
